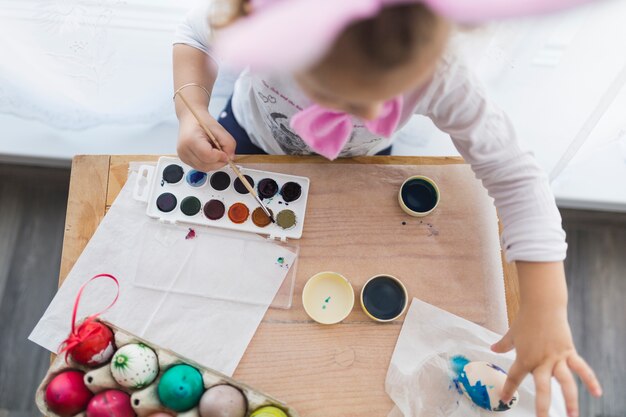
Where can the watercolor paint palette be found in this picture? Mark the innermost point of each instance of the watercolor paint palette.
(139, 378)
(176, 193)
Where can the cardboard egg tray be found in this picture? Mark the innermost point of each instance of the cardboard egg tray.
(145, 401)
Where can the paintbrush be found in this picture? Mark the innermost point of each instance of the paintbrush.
(232, 165)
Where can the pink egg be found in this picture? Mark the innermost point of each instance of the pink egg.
(66, 394)
(110, 403)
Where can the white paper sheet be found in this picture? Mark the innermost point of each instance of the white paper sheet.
(418, 378)
(213, 327)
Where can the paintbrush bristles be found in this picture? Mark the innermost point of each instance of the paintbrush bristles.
(232, 165)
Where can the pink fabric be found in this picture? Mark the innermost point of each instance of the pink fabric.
(289, 35)
(327, 131)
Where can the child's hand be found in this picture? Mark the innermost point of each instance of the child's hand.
(195, 148)
(543, 341)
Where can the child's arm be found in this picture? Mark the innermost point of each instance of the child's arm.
(532, 234)
(542, 339)
(193, 64)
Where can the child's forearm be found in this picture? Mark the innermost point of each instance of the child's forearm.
(542, 285)
(193, 66)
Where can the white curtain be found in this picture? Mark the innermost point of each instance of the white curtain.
(89, 76)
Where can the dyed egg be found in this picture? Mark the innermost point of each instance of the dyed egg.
(66, 394)
(482, 382)
(160, 414)
(134, 366)
(97, 346)
(223, 401)
(268, 411)
(180, 387)
(110, 403)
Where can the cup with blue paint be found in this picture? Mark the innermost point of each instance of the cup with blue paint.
(384, 298)
(418, 196)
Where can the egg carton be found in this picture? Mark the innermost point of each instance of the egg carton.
(145, 401)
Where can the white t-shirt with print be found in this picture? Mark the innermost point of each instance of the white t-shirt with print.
(455, 101)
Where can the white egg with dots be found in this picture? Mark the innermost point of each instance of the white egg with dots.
(134, 366)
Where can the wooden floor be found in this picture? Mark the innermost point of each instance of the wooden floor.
(32, 215)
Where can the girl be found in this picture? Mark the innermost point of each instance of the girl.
(358, 70)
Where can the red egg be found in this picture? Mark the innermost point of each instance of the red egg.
(110, 403)
(67, 394)
(97, 346)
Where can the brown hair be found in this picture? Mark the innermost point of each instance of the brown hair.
(393, 37)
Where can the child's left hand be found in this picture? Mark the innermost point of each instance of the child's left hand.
(543, 341)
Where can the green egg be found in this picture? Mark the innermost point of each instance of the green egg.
(180, 388)
(268, 411)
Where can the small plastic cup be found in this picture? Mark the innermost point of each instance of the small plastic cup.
(418, 196)
(328, 297)
(384, 298)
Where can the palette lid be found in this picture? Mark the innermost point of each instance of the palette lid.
(217, 264)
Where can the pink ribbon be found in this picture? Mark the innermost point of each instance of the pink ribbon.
(327, 131)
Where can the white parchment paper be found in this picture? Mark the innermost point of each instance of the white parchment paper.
(418, 380)
(210, 293)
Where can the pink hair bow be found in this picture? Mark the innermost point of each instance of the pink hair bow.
(327, 131)
(289, 35)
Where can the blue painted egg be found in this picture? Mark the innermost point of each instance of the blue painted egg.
(482, 383)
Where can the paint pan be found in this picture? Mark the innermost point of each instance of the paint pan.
(328, 297)
(239, 187)
(214, 209)
(177, 193)
(267, 188)
(384, 298)
(418, 196)
(286, 219)
(190, 206)
(291, 191)
(173, 173)
(196, 178)
(260, 218)
(238, 213)
(166, 202)
(220, 181)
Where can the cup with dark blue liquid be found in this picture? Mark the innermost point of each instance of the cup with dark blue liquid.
(384, 298)
(418, 196)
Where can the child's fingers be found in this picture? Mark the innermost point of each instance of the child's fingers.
(513, 380)
(205, 157)
(586, 374)
(542, 377)
(563, 374)
(191, 159)
(210, 159)
(225, 139)
(503, 345)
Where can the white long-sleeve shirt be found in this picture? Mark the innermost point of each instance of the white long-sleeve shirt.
(264, 103)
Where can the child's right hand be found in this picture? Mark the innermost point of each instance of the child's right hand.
(195, 148)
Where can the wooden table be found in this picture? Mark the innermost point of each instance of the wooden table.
(96, 182)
